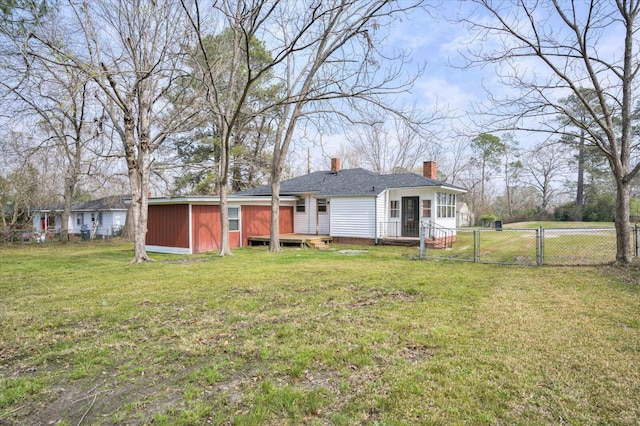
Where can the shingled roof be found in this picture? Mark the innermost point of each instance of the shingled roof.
(349, 182)
(112, 202)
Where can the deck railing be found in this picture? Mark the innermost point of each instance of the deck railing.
(436, 235)
(398, 230)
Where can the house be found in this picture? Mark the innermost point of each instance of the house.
(104, 216)
(362, 207)
(350, 206)
(464, 215)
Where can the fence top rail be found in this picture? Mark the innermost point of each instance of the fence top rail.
(508, 229)
(546, 229)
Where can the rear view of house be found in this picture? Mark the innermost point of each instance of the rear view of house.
(359, 206)
(350, 206)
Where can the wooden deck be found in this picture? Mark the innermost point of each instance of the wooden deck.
(302, 240)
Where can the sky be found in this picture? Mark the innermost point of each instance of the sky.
(435, 39)
(435, 42)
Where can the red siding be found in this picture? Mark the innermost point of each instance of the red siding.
(168, 226)
(286, 220)
(207, 231)
(256, 220)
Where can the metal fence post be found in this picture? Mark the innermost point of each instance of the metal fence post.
(541, 245)
(421, 241)
(538, 246)
(476, 245)
(635, 235)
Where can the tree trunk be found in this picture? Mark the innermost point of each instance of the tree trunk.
(623, 228)
(139, 171)
(139, 207)
(274, 233)
(66, 212)
(225, 249)
(580, 186)
(128, 231)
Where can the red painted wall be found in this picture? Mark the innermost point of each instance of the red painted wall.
(207, 231)
(256, 220)
(168, 225)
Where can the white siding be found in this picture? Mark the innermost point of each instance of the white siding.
(446, 222)
(353, 216)
(311, 221)
(323, 226)
(112, 221)
(305, 223)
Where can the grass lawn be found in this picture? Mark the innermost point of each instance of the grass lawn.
(565, 243)
(312, 337)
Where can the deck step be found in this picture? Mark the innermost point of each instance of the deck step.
(317, 244)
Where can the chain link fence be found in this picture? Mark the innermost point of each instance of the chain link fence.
(28, 236)
(539, 246)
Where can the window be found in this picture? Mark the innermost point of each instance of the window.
(300, 205)
(234, 218)
(394, 209)
(426, 208)
(100, 220)
(79, 218)
(446, 204)
(322, 205)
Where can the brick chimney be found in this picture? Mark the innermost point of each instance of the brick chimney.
(429, 169)
(335, 165)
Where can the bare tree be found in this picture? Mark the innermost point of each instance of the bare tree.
(544, 165)
(337, 57)
(24, 178)
(227, 79)
(60, 98)
(566, 40)
(454, 159)
(321, 53)
(392, 144)
(133, 51)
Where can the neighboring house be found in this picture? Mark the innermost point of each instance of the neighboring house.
(105, 216)
(464, 215)
(360, 206)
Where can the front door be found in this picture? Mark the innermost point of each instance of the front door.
(410, 216)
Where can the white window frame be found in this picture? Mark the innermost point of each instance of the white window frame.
(394, 209)
(234, 218)
(446, 205)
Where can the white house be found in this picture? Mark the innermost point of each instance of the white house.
(105, 216)
(359, 206)
(464, 215)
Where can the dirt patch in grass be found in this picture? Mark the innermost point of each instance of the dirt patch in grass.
(98, 401)
(351, 252)
(185, 260)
